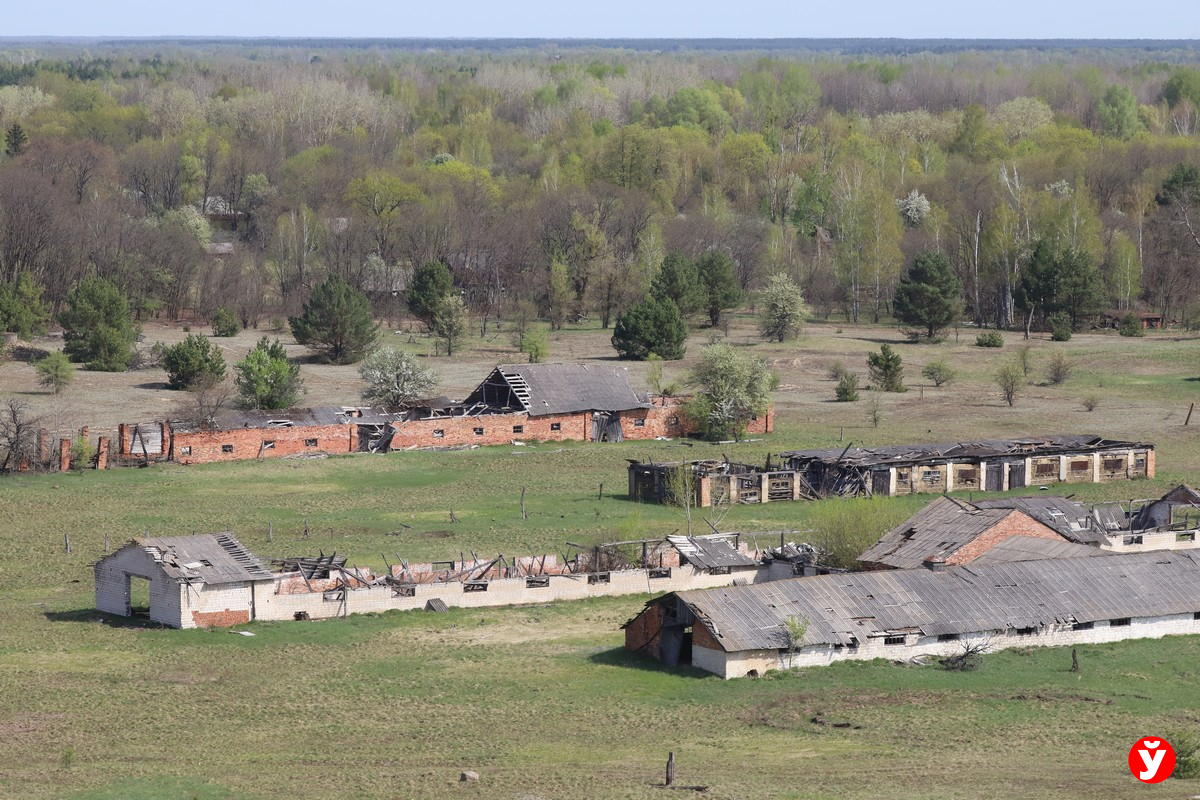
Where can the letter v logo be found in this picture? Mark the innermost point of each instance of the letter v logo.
(1151, 759)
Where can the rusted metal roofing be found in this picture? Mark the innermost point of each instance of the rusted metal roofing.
(564, 388)
(708, 552)
(949, 451)
(212, 558)
(853, 607)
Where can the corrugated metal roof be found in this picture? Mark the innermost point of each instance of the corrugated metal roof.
(212, 558)
(975, 450)
(1073, 520)
(570, 388)
(709, 552)
(842, 609)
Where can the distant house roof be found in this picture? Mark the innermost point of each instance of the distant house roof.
(556, 389)
(935, 532)
(212, 558)
(894, 455)
(849, 608)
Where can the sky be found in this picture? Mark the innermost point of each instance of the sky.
(972, 19)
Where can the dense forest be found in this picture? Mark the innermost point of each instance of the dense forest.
(554, 181)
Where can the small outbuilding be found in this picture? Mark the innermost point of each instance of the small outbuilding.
(183, 581)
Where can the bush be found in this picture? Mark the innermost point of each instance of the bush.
(1090, 402)
(1059, 368)
(535, 343)
(193, 361)
(225, 323)
(939, 371)
(266, 378)
(1187, 754)
(336, 322)
(989, 339)
(55, 371)
(836, 371)
(395, 378)
(1060, 326)
(847, 388)
(1024, 355)
(653, 326)
(1131, 326)
(887, 370)
(100, 329)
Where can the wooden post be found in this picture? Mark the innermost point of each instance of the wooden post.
(523, 514)
(1074, 660)
(452, 517)
(670, 769)
(601, 495)
(306, 529)
(106, 542)
(1191, 408)
(67, 543)
(270, 531)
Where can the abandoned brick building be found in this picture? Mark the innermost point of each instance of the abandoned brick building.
(993, 465)
(900, 614)
(958, 532)
(536, 402)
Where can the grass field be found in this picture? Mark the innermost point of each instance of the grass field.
(542, 701)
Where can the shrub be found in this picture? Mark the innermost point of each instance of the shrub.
(939, 371)
(1090, 401)
(1024, 355)
(225, 323)
(836, 371)
(989, 339)
(887, 370)
(1187, 754)
(1059, 368)
(1010, 379)
(653, 326)
(99, 323)
(1131, 326)
(535, 343)
(394, 378)
(781, 309)
(336, 322)
(1060, 326)
(266, 378)
(192, 361)
(55, 371)
(847, 388)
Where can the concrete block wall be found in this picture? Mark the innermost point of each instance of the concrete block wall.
(502, 592)
(248, 443)
(112, 586)
(215, 606)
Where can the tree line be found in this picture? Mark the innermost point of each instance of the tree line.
(569, 185)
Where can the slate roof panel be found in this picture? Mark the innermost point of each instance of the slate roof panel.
(571, 388)
(973, 598)
(892, 455)
(213, 558)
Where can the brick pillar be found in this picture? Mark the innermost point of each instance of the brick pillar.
(1096, 467)
(43, 446)
(64, 455)
(1151, 466)
(764, 484)
(122, 439)
(102, 448)
(167, 444)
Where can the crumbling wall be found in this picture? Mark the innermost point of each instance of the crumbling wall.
(1015, 524)
(203, 447)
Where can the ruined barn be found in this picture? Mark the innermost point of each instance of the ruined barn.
(902, 614)
(184, 581)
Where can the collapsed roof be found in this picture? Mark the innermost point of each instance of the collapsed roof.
(541, 389)
(213, 558)
(900, 455)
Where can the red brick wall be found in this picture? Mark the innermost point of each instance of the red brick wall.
(205, 447)
(702, 638)
(642, 632)
(220, 619)
(1015, 524)
(497, 429)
